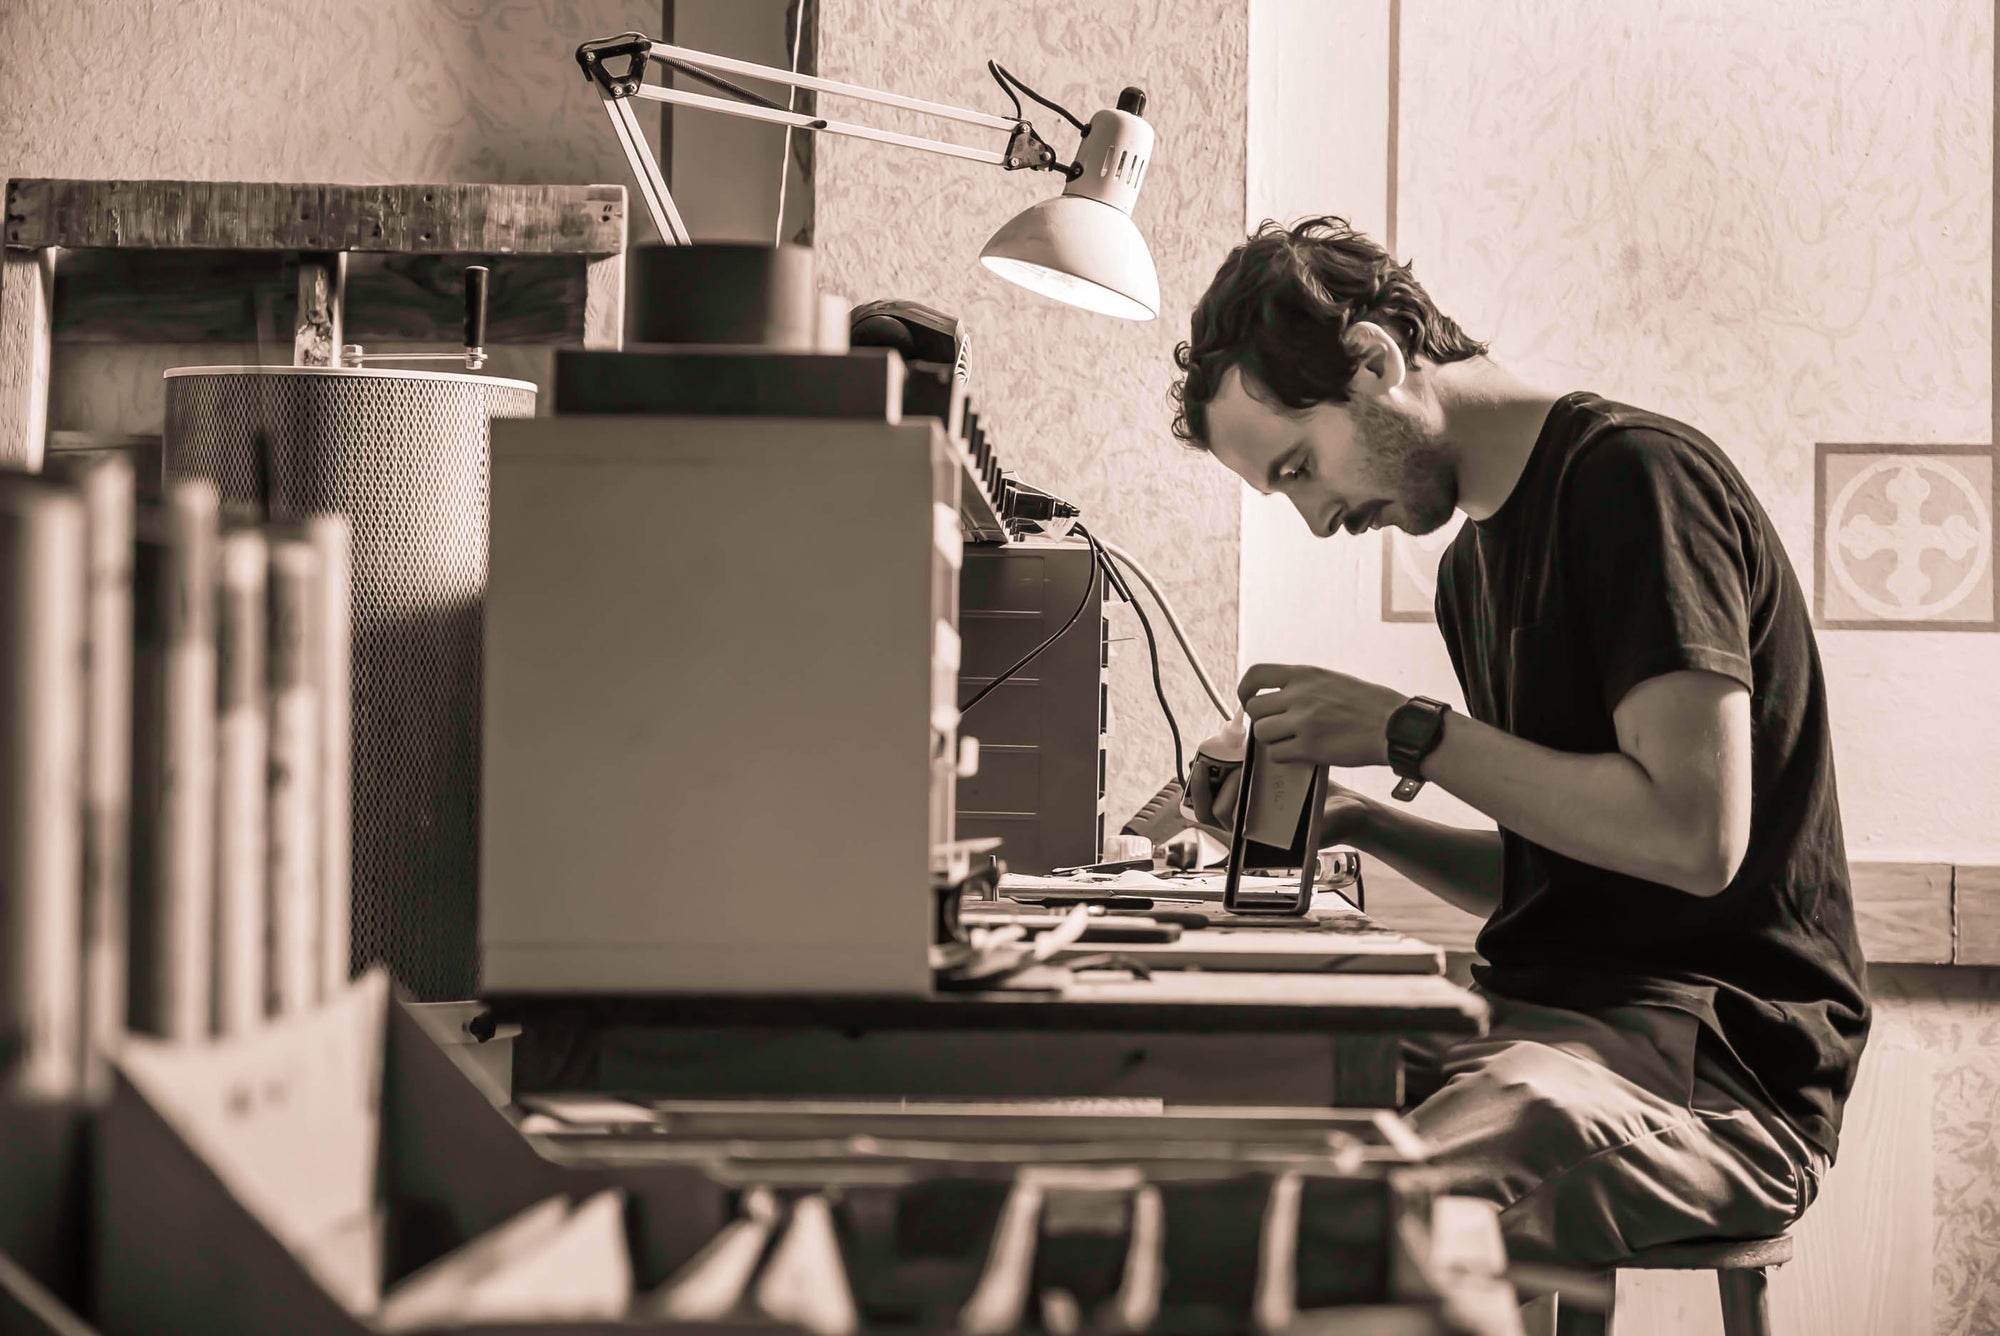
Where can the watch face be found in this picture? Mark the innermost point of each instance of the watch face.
(1411, 725)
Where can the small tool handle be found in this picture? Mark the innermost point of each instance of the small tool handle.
(475, 305)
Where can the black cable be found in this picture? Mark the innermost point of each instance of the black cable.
(1117, 580)
(719, 83)
(1002, 73)
(993, 68)
(1022, 662)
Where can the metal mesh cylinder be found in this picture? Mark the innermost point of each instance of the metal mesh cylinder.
(404, 454)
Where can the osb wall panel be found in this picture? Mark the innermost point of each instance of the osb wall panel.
(1078, 402)
(1773, 221)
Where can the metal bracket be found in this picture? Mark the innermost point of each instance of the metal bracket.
(632, 46)
(1027, 151)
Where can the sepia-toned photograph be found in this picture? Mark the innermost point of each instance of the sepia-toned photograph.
(1008, 667)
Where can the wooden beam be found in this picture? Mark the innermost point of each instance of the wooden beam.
(604, 299)
(1367, 1071)
(27, 293)
(258, 215)
(1903, 912)
(316, 329)
(1976, 904)
(107, 296)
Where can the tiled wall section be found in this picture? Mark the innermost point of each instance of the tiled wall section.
(1904, 538)
(1077, 401)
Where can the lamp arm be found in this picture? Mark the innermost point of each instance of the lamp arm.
(1026, 150)
(814, 84)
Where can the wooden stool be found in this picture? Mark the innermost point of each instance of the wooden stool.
(1739, 1266)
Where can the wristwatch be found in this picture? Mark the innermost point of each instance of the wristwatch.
(1415, 730)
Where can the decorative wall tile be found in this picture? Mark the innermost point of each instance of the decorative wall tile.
(1409, 571)
(1905, 537)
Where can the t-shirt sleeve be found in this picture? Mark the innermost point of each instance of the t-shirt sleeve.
(1444, 608)
(1656, 561)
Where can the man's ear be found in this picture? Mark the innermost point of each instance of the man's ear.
(1381, 366)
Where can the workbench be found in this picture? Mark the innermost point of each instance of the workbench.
(292, 269)
(1185, 1036)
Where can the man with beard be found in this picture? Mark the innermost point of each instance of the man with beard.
(1669, 946)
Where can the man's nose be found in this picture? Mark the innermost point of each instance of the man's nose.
(1305, 513)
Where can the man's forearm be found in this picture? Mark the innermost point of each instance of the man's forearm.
(1601, 809)
(1458, 865)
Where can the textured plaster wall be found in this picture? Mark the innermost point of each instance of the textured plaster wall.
(1078, 402)
(297, 90)
(352, 91)
(1773, 221)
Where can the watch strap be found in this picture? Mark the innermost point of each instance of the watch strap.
(1405, 758)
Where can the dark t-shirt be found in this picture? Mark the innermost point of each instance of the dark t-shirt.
(1631, 547)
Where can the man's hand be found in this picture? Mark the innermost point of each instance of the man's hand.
(1318, 716)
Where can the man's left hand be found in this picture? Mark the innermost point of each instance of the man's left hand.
(1301, 713)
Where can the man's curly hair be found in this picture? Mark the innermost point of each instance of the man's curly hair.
(1280, 308)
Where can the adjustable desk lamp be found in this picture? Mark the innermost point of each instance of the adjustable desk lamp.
(1080, 247)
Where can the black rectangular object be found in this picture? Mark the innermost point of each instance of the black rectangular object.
(1040, 734)
(865, 383)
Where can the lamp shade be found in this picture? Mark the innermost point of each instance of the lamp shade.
(1082, 247)
(1078, 251)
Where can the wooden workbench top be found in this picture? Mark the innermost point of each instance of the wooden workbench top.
(1193, 1001)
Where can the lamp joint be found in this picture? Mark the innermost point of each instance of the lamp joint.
(633, 47)
(1027, 151)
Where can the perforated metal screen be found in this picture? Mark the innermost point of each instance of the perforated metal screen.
(405, 457)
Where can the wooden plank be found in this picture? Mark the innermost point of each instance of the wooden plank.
(261, 215)
(1903, 912)
(1367, 1071)
(1976, 906)
(1271, 949)
(322, 297)
(1192, 1000)
(168, 296)
(531, 299)
(604, 302)
(27, 292)
(194, 297)
(1394, 901)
